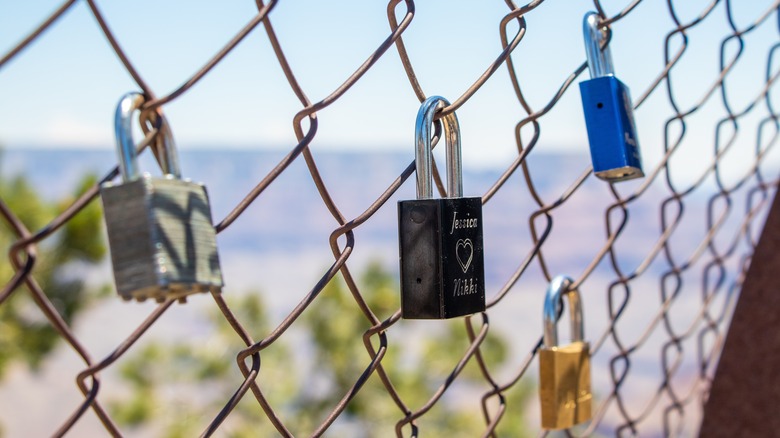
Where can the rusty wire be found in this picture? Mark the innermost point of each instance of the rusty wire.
(718, 260)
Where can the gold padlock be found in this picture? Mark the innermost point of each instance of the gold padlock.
(564, 371)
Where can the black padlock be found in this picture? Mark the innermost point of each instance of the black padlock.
(440, 240)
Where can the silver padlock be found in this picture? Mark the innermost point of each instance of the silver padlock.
(162, 241)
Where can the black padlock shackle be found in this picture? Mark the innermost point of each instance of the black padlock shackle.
(123, 130)
(423, 149)
(552, 308)
(599, 61)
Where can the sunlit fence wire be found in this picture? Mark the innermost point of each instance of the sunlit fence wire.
(704, 276)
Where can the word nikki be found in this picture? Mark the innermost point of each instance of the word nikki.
(464, 286)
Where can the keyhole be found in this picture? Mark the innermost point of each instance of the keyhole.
(599, 105)
(419, 280)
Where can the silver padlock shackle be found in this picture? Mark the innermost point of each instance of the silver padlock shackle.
(423, 149)
(552, 308)
(123, 130)
(599, 61)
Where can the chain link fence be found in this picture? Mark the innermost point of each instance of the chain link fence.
(674, 300)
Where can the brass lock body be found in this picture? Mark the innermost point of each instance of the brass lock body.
(564, 371)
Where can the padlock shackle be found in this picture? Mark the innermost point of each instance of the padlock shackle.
(552, 308)
(423, 149)
(123, 130)
(599, 61)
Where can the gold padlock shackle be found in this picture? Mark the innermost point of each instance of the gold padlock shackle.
(423, 149)
(128, 160)
(552, 308)
(599, 61)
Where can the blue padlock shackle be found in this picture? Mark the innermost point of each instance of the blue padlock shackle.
(599, 61)
(552, 308)
(128, 160)
(423, 149)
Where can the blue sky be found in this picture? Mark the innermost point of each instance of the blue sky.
(62, 91)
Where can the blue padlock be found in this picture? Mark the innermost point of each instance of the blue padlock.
(609, 117)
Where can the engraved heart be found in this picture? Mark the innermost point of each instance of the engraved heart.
(464, 252)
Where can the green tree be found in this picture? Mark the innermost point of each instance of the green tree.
(178, 386)
(304, 391)
(416, 372)
(25, 334)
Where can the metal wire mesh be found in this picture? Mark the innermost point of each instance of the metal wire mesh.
(713, 268)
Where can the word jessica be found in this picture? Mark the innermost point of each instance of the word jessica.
(462, 223)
